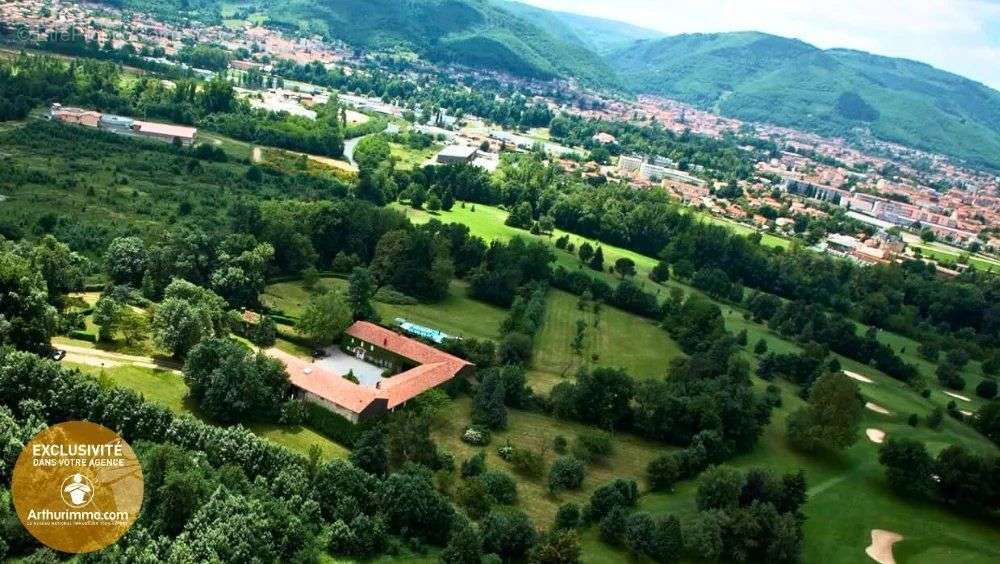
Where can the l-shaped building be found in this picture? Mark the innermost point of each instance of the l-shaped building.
(415, 368)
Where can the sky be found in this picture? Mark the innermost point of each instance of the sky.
(960, 36)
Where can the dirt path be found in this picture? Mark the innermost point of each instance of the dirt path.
(107, 359)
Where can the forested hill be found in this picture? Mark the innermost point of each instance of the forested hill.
(766, 78)
(599, 35)
(475, 33)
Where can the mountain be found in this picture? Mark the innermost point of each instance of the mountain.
(476, 33)
(760, 77)
(599, 35)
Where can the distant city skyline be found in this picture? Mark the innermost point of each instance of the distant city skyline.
(959, 36)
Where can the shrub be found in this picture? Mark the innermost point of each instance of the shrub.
(559, 444)
(612, 525)
(567, 516)
(664, 471)
(987, 389)
(593, 445)
(506, 452)
(477, 436)
(640, 533)
(623, 493)
(500, 485)
(528, 463)
(566, 474)
(474, 465)
(508, 534)
(83, 336)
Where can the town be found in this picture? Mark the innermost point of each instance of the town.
(397, 283)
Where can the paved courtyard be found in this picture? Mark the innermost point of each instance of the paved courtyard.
(341, 363)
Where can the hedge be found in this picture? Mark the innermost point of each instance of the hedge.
(83, 336)
(333, 426)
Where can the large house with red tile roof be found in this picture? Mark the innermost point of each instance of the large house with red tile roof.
(419, 367)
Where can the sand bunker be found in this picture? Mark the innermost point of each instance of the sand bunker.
(876, 436)
(858, 377)
(880, 550)
(957, 396)
(877, 408)
(965, 413)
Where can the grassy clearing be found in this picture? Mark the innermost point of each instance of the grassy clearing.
(645, 353)
(537, 431)
(409, 159)
(168, 389)
(456, 314)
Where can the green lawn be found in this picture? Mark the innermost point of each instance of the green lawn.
(409, 159)
(168, 389)
(952, 255)
(620, 340)
(456, 314)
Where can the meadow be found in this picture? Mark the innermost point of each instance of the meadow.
(644, 352)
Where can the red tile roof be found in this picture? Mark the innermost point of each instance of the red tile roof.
(434, 368)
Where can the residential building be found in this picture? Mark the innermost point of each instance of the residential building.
(456, 154)
(414, 368)
(76, 116)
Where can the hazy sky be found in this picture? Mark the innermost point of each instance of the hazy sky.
(961, 36)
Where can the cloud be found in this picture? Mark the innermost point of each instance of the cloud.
(960, 36)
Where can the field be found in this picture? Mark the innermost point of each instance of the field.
(537, 432)
(409, 159)
(939, 252)
(168, 389)
(644, 352)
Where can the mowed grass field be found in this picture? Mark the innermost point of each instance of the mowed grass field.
(457, 314)
(618, 340)
(169, 390)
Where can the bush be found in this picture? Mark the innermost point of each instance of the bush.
(83, 336)
(474, 465)
(593, 445)
(612, 525)
(506, 452)
(566, 473)
(508, 534)
(619, 493)
(567, 516)
(987, 389)
(559, 444)
(663, 472)
(528, 463)
(477, 436)
(500, 485)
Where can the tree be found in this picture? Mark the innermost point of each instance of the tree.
(668, 541)
(500, 485)
(410, 504)
(720, 488)
(585, 252)
(62, 269)
(908, 467)
(371, 151)
(230, 383)
(987, 421)
(567, 516)
(521, 216)
(581, 331)
(125, 261)
(179, 325)
(566, 473)
(464, 546)
(488, 405)
(597, 261)
(640, 533)
(509, 534)
(625, 267)
(134, 326)
(108, 313)
(761, 347)
(831, 419)
(325, 319)
(360, 291)
(27, 321)
(557, 547)
(370, 452)
(987, 388)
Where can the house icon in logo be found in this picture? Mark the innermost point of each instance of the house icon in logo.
(77, 490)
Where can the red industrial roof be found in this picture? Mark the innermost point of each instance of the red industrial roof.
(434, 368)
(165, 129)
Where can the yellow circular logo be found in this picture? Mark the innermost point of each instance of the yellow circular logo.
(77, 487)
